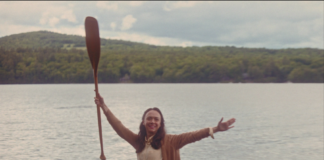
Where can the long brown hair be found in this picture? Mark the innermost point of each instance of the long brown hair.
(156, 141)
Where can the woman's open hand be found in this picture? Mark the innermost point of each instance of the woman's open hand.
(224, 126)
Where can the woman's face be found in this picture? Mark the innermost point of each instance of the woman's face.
(152, 121)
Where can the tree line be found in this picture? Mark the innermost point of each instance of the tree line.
(162, 65)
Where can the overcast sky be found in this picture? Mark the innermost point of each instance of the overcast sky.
(241, 24)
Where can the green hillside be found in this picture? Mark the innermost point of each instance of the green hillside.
(47, 57)
(42, 39)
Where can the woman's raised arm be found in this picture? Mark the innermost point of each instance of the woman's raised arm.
(116, 124)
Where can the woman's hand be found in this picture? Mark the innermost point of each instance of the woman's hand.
(99, 101)
(224, 126)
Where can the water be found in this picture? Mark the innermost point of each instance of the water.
(273, 121)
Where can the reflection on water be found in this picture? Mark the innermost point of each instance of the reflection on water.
(274, 121)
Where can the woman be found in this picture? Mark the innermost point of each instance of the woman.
(152, 142)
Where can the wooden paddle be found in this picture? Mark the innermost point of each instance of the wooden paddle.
(93, 47)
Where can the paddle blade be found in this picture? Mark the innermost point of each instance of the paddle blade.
(92, 41)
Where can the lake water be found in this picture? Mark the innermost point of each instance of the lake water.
(273, 121)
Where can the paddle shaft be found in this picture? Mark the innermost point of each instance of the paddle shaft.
(102, 156)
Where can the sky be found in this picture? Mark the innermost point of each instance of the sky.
(275, 25)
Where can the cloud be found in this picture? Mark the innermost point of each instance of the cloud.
(44, 18)
(134, 37)
(147, 39)
(47, 19)
(118, 6)
(75, 30)
(128, 22)
(29, 16)
(53, 21)
(10, 29)
(69, 15)
(53, 18)
(113, 25)
(186, 44)
(179, 4)
(108, 5)
(16, 29)
(135, 3)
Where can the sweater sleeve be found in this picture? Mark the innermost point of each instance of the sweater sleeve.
(120, 129)
(178, 141)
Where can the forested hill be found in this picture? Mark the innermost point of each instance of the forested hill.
(47, 57)
(43, 39)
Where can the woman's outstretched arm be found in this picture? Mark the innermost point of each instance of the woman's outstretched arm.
(185, 138)
(116, 124)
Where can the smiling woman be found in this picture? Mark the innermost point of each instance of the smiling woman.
(152, 126)
(152, 142)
